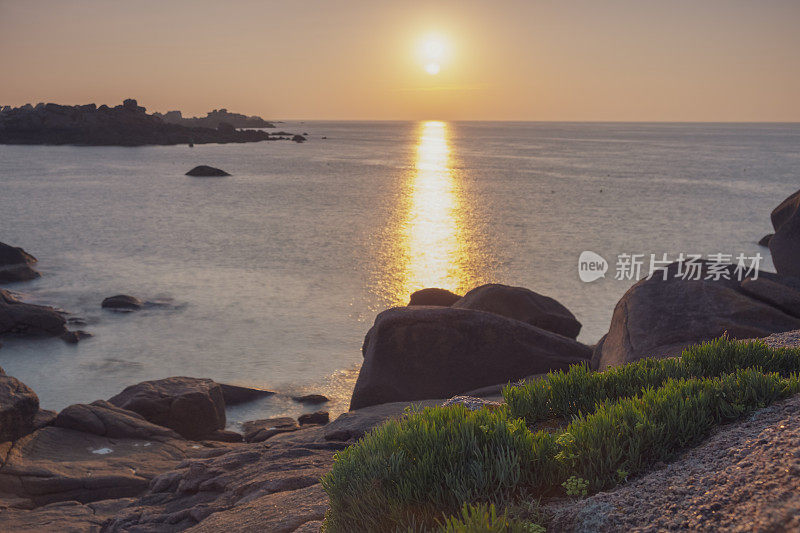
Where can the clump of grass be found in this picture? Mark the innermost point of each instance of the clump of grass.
(408, 474)
(430, 463)
(579, 390)
(483, 518)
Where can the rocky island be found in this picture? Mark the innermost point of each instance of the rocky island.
(128, 124)
(214, 118)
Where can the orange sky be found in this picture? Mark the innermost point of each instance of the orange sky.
(637, 60)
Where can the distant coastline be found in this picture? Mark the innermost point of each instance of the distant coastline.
(128, 124)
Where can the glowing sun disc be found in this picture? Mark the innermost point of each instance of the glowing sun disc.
(432, 68)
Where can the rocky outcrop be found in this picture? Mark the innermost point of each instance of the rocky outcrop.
(18, 318)
(299, 139)
(206, 171)
(657, 318)
(414, 353)
(434, 296)
(122, 302)
(57, 464)
(523, 305)
(191, 406)
(252, 488)
(317, 417)
(261, 430)
(236, 394)
(784, 245)
(785, 210)
(214, 118)
(16, 264)
(19, 406)
(107, 420)
(124, 125)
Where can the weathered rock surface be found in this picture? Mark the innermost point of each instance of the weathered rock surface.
(472, 403)
(206, 171)
(19, 318)
(107, 420)
(414, 353)
(236, 394)
(70, 516)
(124, 125)
(191, 406)
(310, 398)
(58, 464)
(434, 296)
(317, 417)
(261, 430)
(745, 478)
(16, 264)
(19, 406)
(784, 246)
(658, 318)
(784, 295)
(523, 305)
(256, 487)
(785, 210)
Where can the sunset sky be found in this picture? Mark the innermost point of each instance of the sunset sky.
(626, 60)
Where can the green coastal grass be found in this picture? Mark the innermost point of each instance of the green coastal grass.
(564, 395)
(418, 473)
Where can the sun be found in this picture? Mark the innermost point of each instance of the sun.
(433, 51)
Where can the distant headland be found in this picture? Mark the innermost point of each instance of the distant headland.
(128, 124)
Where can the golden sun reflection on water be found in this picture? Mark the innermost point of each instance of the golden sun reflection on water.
(434, 236)
(431, 245)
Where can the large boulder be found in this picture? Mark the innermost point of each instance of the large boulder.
(191, 406)
(786, 210)
(414, 353)
(523, 305)
(18, 318)
(434, 296)
(658, 318)
(19, 406)
(784, 246)
(16, 264)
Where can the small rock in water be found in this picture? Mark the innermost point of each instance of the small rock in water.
(310, 398)
(73, 337)
(299, 139)
(320, 417)
(472, 403)
(206, 171)
(122, 302)
(236, 394)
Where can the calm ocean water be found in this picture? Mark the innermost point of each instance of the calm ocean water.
(274, 275)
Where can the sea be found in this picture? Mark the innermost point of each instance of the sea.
(271, 277)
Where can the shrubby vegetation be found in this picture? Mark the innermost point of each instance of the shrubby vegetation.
(436, 463)
(579, 390)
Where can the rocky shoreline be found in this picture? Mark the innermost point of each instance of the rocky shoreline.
(157, 457)
(126, 125)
